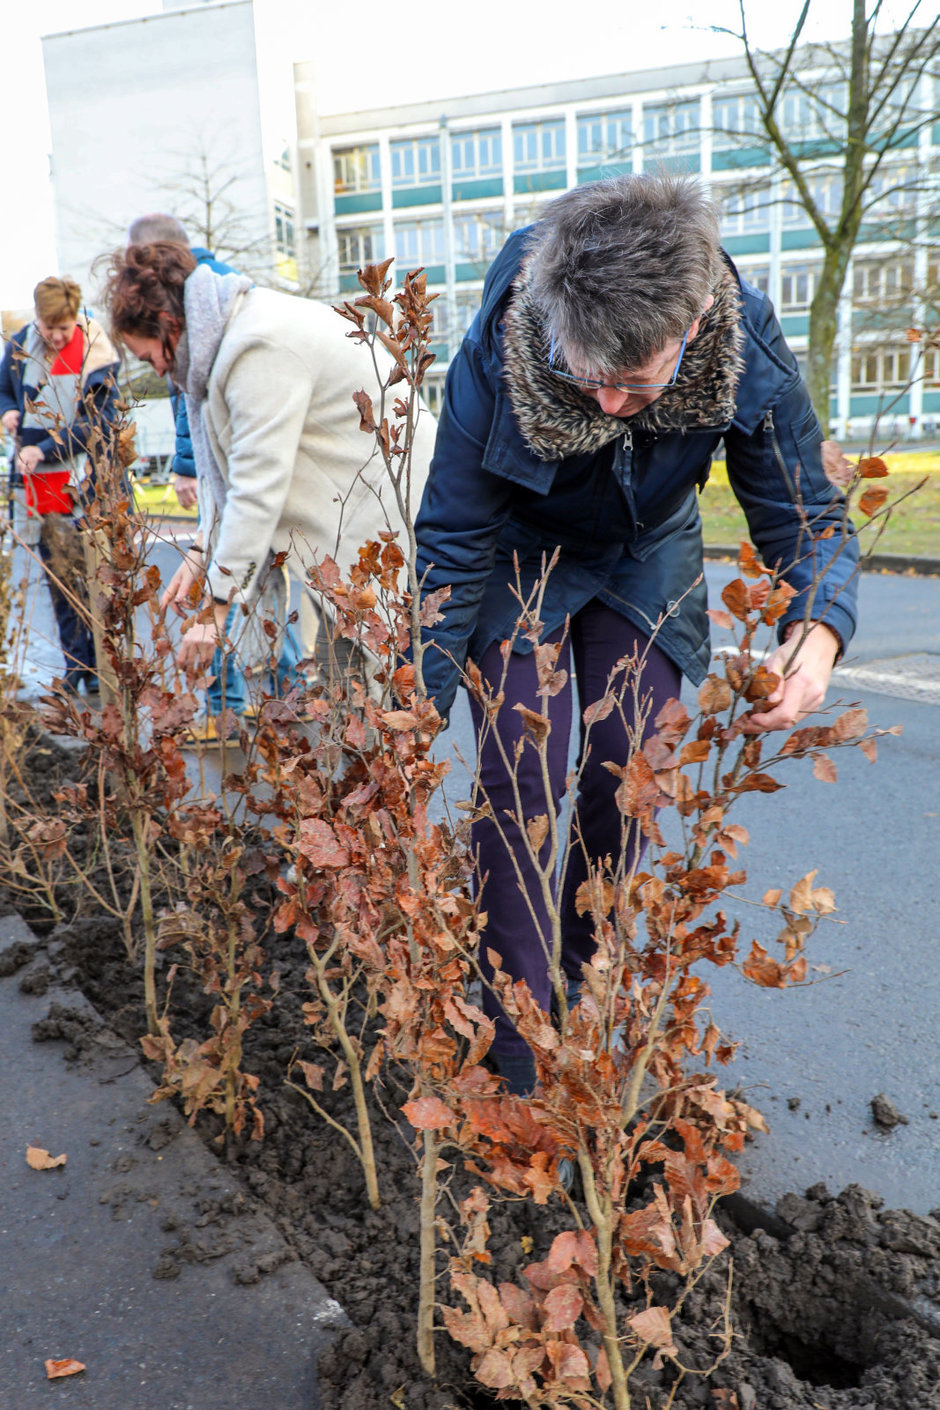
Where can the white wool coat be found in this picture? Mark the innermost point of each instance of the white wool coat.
(300, 475)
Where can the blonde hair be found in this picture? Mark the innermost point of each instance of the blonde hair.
(57, 300)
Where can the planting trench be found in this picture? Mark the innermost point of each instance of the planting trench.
(835, 1301)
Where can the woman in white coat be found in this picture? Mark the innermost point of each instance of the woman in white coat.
(269, 380)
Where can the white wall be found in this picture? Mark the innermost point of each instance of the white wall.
(133, 105)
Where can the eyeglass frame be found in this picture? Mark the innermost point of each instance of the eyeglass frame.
(593, 384)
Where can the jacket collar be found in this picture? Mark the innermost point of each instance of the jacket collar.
(556, 420)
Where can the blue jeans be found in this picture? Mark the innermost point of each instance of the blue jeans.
(228, 690)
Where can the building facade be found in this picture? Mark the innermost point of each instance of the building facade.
(440, 184)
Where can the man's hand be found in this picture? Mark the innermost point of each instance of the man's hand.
(803, 688)
(10, 421)
(184, 487)
(837, 468)
(28, 458)
(177, 590)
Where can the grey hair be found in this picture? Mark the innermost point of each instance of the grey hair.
(621, 268)
(147, 229)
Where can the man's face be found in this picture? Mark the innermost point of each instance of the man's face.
(616, 401)
(57, 335)
(658, 373)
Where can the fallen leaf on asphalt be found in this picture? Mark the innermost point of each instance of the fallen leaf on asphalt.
(67, 1367)
(38, 1159)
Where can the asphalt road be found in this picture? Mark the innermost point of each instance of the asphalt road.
(813, 1059)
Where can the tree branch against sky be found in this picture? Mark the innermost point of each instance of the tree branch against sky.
(880, 115)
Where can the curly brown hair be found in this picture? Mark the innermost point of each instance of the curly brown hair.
(143, 282)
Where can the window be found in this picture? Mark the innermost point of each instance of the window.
(604, 137)
(539, 146)
(882, 281)
(416, 162)
(826, 191)
(671, 127)
(892, 191)
(359, 245)
(419, 242)
(356, 169)
(797, 286)
(931, 367)
(478, 235)
(745, 211)
(756, 274)
(468, 306)
(881, 369)
(736, 121)
(284, 229)
(477, 154)
(814, 116)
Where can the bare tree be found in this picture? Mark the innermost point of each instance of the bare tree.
(835, 119)
(205, 188)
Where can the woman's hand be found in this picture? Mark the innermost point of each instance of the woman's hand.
(177, 591)
(803, 688)
(199, 641)
(10, 421)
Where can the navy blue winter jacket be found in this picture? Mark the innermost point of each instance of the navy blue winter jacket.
(626, 518)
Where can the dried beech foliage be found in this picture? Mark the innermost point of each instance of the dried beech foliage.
(626, 1096)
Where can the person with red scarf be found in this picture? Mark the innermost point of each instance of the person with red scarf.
(58, 395)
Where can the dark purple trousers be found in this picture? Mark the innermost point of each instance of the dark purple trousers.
(518, 926)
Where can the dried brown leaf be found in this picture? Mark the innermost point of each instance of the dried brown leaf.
(66, 1367)
(38, 1159)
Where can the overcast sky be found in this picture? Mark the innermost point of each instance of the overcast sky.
(494, 44)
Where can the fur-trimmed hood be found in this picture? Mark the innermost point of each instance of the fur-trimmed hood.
(558, 420)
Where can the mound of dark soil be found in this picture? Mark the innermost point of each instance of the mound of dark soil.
(835, 1302)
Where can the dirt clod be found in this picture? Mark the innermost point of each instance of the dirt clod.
(886, 1113)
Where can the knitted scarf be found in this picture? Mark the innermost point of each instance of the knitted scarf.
(208, 302)
(558, 420)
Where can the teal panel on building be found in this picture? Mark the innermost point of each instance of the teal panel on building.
(477, 190)
(434, 273)
(739, 157)
(817, 147)
(900, 139)
(805, 239)
(603, 173)
(417, 196)
(681, 164)
(472, 269)
(795, 325)
(347, 282)
(932, 403)
(747, 244)
(887, 404)
(356, 204)
(872, 320)
(872, 232)
(531, 181)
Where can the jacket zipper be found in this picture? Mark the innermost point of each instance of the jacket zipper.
(782, 466)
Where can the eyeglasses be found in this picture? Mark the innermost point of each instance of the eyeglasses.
(593, 382)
